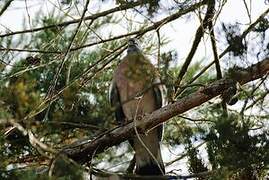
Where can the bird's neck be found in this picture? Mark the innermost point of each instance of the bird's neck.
(133, 49)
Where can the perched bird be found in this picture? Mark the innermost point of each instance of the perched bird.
(136, 90)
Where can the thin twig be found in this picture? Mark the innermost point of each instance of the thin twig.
(30, 50)
(228, 49)
(92, 17)
(82, 79)
(138, 33)
(155, 26)
(55, 79)
(248, 11)
(140, 139)
(216, 60)
(28, 14)
(183, 155)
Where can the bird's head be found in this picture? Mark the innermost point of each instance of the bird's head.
(133, 46)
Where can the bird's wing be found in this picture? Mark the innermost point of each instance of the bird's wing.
(115, 102)
(114, 98)
(159, 93)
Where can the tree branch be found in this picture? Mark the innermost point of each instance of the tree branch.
(6, 5)
(30, 50)
(155, 26)
(83, 152)
(92, 17)
(216, 60)
(198, 36)
(139, 32)
(229, 48)
(64, 59)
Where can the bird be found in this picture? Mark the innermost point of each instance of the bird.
(136, 90)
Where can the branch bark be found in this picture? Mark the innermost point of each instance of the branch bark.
(83, 152)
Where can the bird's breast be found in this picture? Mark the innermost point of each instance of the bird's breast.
(134, 82)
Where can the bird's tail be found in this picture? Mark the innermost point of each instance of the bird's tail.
(148, 154)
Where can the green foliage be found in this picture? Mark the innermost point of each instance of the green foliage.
(196, 164)
(234, 144)
(24, 175)
(151, 6)
(238, 47)
(83, 98)
(64, 169)
(177, 132)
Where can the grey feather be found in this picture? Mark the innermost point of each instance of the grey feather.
(115, 102)
(159, 92)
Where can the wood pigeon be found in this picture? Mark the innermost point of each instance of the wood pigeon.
(135, 91)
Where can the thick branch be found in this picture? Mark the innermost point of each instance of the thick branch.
(83, 152)
(251, 73)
